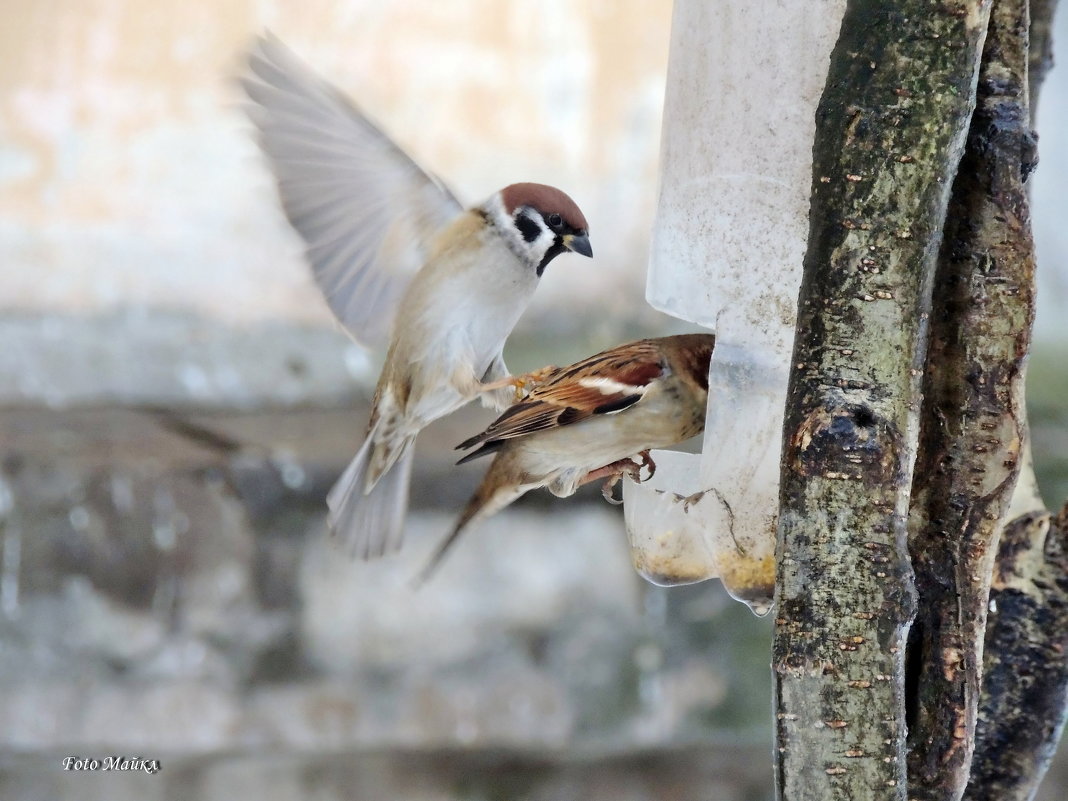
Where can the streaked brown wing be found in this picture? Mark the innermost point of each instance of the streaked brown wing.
(602, 384)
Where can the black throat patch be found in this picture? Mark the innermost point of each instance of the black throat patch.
(554, 250)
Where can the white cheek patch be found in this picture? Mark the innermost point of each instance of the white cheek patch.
(545, 239)
(608, 386)
(516, 227)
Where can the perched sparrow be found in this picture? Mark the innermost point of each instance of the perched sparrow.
(589, 421)
(399, 260)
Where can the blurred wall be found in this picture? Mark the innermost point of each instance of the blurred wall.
(128, 176)
(175, 403)
(164, 584)
(1050, 203)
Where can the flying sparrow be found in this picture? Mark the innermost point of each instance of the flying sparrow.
(400, 260)
(590, 421)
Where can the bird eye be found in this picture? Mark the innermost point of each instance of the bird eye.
(554, 221)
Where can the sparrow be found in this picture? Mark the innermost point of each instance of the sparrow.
(401, 263)
(589, 421)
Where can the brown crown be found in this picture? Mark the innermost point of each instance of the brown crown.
(547, 200)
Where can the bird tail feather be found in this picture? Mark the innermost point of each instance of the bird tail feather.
(490, 497)
(371, 522)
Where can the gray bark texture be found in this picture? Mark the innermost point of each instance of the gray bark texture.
(974, 420)
(1024, 699)
(1025, 669)
(891, 129)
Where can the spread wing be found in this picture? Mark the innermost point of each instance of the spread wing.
(366, 210)
(603, 384)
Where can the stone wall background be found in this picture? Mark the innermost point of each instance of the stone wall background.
(175, 401)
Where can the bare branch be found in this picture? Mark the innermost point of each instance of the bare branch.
(890, 132)
(974, 416)
(1024, 698)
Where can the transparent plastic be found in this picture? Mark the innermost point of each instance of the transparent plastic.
(667, 547)
(744, 79)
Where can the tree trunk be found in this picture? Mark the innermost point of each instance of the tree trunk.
(1024, 699)
(890, 131)
(974, 418)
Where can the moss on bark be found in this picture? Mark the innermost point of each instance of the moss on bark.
(890, 132)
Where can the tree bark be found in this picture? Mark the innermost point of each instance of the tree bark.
(890, 131)
(1024, 700)
(1025, 682)
(974, 416)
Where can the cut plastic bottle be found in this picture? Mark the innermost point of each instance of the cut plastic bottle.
(744, 79)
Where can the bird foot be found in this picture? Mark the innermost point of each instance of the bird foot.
(522, 384)
(528, 381)
(608, 490)
(647, 462)
(616, 470)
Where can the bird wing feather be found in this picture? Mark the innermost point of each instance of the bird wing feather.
(366, 211)
(603, 384)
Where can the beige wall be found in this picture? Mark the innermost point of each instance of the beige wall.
(128, 176)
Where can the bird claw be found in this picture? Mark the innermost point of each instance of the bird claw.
(520, 387)
(607, 490)
(624, 467)
(521, 384)
(525, 383)
(647, 462)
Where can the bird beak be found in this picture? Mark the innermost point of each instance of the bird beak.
(578, 243)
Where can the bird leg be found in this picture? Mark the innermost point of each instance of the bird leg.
(521, 383)
(616, 470)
